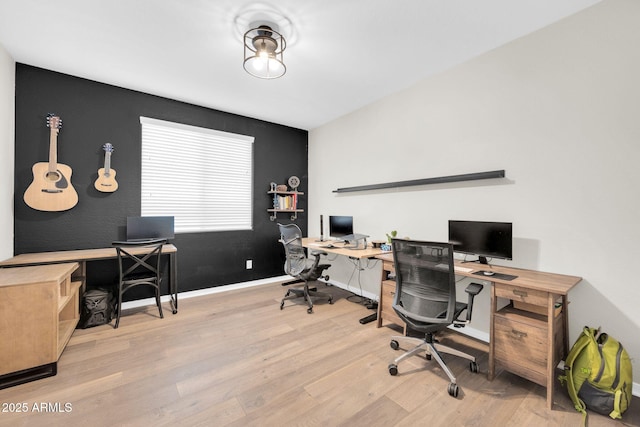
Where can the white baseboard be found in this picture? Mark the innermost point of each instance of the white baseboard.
(206, 291)
(474, 333)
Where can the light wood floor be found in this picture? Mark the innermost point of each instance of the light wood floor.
(236, 359)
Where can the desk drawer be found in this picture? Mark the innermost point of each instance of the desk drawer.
(521, 347)
(528, 296)
(387, 295)
(389, 266)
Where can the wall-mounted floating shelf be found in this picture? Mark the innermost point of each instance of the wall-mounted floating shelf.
(426, 181)
(287, 202)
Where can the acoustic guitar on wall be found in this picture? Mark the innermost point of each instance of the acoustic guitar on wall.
(106, 181)
(51, 189)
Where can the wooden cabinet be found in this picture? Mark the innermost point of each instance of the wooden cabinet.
(39, 310)
(285, 201)
(529, 335)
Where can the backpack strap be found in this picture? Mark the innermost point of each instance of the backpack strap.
(577, 348)
(617, 413)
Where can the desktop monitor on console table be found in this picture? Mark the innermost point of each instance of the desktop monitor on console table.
(482, 238)
(340, 226)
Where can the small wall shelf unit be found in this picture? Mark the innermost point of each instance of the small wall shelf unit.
(285, 201)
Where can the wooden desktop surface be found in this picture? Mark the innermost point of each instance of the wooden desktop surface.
(340, 248)
(74, 255)
(559, 284)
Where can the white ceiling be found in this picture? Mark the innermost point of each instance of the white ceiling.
(341, 54)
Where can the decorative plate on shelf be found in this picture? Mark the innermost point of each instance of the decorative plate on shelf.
(294, 181)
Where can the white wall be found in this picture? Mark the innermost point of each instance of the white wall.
(559, 110)
(7, 126)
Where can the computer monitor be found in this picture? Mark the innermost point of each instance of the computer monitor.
(482, 238)
(340, 226)
(150, 227)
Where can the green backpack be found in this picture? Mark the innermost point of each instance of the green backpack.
(598, 374)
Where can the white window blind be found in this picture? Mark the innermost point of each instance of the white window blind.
(202, 177)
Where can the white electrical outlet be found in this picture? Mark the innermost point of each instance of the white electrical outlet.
(249, 264)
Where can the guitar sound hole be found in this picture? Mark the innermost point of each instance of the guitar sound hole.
(52, 176)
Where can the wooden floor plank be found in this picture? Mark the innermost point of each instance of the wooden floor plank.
(235, 359)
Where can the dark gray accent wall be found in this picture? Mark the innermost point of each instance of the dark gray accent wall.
(94, 113)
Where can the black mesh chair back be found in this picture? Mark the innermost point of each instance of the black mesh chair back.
(139, 264)
(291, 239)
(425, 300)
(425, 284)
(297, 265)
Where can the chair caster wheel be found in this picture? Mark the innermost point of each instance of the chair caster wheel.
(473, 367)
(393, 369)
(282, 305)
(309, 310)
(394, 344)
(331, 301)
(453, 390)
(427, 356)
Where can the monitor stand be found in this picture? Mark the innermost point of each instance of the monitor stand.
(356, 241)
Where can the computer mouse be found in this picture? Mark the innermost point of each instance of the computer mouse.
(488, 273)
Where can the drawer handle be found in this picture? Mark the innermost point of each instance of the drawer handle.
(519, 334)
(520, 293)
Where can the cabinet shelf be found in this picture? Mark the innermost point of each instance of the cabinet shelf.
(285, 192)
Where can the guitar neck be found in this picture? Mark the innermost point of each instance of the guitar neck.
(107, 162)
(53, 150)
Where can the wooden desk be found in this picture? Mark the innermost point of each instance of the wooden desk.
(82, 256)
(529, 336)
(340, 248)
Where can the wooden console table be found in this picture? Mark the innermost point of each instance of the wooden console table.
(528, 336)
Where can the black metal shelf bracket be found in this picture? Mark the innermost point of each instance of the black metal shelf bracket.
(426, 181)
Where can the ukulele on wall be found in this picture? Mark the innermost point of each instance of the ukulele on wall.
(106, 181)
(51, 189)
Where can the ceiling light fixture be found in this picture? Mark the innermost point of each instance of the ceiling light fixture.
(263, 51)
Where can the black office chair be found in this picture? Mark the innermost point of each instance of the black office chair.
(138, 264)
(426, 300)
(297, 265)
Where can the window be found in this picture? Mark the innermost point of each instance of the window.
(202, 177)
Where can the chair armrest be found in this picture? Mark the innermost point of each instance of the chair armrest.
(473, 289)
(318, 253)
